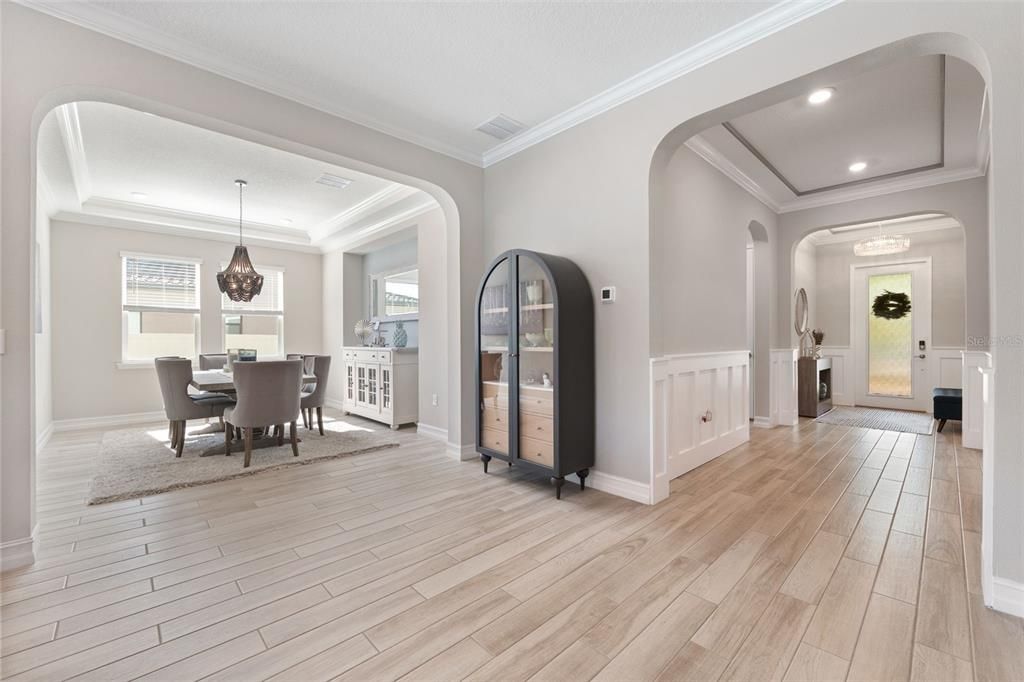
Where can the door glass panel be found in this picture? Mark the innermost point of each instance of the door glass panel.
(890, 342)
(495, 329)
(536, 363)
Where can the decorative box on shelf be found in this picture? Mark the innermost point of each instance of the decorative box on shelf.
(381, 384)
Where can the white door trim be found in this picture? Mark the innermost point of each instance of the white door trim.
(858, 338)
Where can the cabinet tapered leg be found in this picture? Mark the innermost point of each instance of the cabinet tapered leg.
(485, 459)
(583, 473)
(559, 482)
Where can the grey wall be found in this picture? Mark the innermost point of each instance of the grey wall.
(832, 286)
(43, 358)
(86, 271)
(805, 274)
(967, 201)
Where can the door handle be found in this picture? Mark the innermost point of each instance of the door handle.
(922, 356)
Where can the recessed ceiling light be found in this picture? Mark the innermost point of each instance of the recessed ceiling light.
(821, 95)
(139, 195)
(857, 166)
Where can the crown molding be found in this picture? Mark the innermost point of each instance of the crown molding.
(74, 147)
(140, 225)
(375, 202)
(883, 187)
(704, 150)
(747, 32)
(90, 16)
(936, 224)
(378, 228)
(160, 215)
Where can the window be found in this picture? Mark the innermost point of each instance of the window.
(395, 296)
(258, 324)
(160, 307)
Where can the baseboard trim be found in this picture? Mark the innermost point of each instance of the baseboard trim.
(44, 436)
(434, 432)
(108, 422)
(762, 423)
(1008, 596)
(334, 403)
(616, 485)
(17, 553)
(463, 453)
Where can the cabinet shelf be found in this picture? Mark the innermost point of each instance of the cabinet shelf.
(539, 306)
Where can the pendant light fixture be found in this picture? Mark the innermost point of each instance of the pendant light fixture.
(239, 280)
(882, 244)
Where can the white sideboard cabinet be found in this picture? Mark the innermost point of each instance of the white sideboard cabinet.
(381, 384)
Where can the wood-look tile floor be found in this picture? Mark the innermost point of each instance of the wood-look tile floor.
(816, 552)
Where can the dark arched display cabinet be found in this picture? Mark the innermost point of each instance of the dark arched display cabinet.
(535, 365)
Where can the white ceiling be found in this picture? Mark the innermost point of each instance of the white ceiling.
(925, 225)
(105, 161)
(430, 72)
(915, 121)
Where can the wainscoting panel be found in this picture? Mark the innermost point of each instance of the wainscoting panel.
(700, 409)
(842, 373)
(947, 367)
(973, 424)
(783, 387)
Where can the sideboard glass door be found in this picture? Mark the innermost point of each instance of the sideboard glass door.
(536, 345)
(495, 331)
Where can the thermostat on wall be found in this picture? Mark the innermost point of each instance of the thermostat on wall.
(607, 294)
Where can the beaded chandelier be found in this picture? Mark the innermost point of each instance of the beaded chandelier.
(882, 244)
(239, 280)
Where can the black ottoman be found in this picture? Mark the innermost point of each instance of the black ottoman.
(947, 403)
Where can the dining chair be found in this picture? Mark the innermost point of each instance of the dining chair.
(268, 394)
(315, 396)
(213, 361)
(174, 375)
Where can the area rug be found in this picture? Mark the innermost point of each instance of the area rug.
(873, 418)
(137, 463)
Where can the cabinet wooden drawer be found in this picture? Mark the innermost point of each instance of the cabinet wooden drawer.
(495, 418)
(537, 451)
(495, 396)
(537, 402)
(494, 439)
(537, 426)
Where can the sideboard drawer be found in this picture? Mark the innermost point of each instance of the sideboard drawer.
(537, 426)
(494, 439)
(495, 418)
(537, 451)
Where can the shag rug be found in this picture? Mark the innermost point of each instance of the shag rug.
(874, 418)
(138, 463)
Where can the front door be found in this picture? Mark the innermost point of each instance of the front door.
(891, 353)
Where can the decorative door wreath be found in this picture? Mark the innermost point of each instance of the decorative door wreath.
(890, 306)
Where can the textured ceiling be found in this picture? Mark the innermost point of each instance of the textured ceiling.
(432, 70)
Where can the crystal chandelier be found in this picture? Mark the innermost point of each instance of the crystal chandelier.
(239, 280)
(882, 244)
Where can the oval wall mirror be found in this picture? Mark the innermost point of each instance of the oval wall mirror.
(800, 312)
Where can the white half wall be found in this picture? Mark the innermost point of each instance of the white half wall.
(973, 364)
(944, 369)
(700, 409)
(784, 410)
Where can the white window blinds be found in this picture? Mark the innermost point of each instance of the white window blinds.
(159, 283)
(271, 298)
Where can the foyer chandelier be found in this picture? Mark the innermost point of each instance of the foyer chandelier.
(239, 280)
(882, 244)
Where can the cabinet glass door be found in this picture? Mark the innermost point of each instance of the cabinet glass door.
(495, 332)
(350, 382)
(385, 388)
(360, 384)
(371, 385)
(536, 324)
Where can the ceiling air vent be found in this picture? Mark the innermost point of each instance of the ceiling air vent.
(501, 127)
(335, 181)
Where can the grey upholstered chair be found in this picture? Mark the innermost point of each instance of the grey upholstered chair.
(268, 394)
(174, 375)
(314, 397)
(213, 361)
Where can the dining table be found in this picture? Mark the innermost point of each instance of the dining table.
(219, 381)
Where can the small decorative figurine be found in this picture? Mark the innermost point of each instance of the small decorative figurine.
(546, 380)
